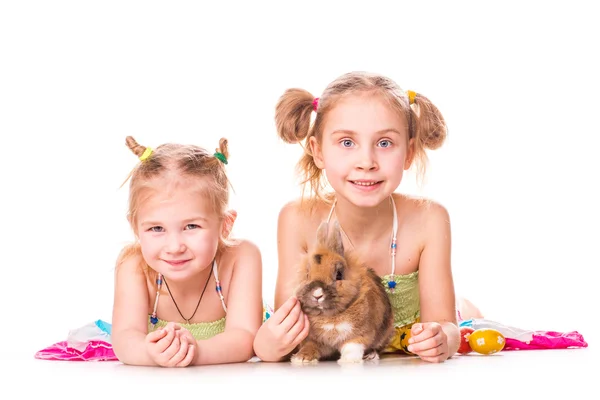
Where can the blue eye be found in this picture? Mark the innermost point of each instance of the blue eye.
(192, 226)
(156, 229)
(347, 143)
(385, 143)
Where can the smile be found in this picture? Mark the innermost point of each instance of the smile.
(176, 263)
(365, 183)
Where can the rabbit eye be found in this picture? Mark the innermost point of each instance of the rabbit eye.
(339, 276)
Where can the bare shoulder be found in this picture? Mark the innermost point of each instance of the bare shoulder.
(244, 250)
(294, 211)
(301, 219)
(129, 265)
(422, 209)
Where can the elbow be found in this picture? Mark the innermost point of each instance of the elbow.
(247, 346)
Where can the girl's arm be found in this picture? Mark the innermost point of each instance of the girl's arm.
(130, 313)
(244, 312)
(436, 285)
(288, 325)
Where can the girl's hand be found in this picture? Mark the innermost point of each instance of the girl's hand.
(285, 329)
(429, 341)
(169, 348)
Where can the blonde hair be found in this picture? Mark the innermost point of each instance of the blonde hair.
(293, 113)
(173, 161)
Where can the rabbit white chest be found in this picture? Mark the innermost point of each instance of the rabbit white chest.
(334, 334)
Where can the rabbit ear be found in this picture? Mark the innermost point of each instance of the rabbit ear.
(322, 233)
(335, 239)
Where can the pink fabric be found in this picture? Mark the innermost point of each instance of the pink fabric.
(96, 350)
(543, 340)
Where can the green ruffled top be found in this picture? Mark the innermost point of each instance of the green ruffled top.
(404, 297)
(200, 330)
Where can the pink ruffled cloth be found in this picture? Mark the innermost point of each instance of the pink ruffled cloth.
(91, 342)
(95, 350)
(525, 339)
(545, 340)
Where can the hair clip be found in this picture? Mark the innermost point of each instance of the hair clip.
(146, 154)
(221, 157)
(411, 97)
(315, 103)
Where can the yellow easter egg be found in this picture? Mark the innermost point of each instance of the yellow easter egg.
(486, 341)
(406, 334)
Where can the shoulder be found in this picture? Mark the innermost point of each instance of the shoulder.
(130, 261)
(425, 210)
(301, 212)
(243, 252)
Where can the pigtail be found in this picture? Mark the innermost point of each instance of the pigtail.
(134, 146)
(293, 115)
(427, 123)
(223, 148)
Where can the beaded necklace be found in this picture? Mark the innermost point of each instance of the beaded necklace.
(159, 282)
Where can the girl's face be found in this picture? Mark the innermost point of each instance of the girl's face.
(364, 149)
(178, 231)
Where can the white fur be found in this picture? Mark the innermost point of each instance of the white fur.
(352, 353)
(344, 328)
(328, 327)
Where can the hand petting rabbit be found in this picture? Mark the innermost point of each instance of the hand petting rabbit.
(348, 309)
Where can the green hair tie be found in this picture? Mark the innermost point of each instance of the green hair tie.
(221, 157)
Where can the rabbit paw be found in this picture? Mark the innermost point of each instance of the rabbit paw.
(352, 353)
(305, 356)
(371, 356)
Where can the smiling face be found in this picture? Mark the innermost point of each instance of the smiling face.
(178, 230)
(364, 148)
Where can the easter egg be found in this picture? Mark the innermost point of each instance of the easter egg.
(486, 341)
(404, 340)
(465, 333)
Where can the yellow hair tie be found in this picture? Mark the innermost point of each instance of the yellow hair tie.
(411, 97)
(146, 154)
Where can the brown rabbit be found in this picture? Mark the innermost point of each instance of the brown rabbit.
(348, 309)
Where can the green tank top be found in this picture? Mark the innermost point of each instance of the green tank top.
(199, 330)
(404, 297)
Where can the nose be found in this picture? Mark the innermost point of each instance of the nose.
(366, 160)
(317, 294)
(174, 244)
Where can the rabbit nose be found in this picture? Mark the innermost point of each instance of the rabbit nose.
(317, 293)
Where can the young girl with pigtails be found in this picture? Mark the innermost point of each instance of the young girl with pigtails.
(185, 292)
(366, 132)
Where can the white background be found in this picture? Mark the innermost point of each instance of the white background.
(516, 81)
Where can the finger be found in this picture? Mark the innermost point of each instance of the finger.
(165, 341)
(296, 328)
(189, 356)
(422, 334)
(416, 329)
(283, 311)
(155, 336)
(430, 347)
(292, 318)
(173, 325)
(303, 334)
(181, 353)
(170, 351)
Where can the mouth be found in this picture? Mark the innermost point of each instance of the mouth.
(176, 263)
(366, 185)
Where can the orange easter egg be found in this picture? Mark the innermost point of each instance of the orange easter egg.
(486, 341)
